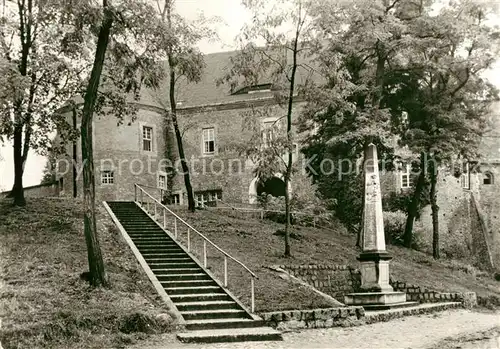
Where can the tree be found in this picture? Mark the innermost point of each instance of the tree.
(128, 32)
(358, 43)
(184, 62)
(29, 41)
(445, 98)
(279, 60)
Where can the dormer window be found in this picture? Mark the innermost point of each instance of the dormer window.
(253, 89)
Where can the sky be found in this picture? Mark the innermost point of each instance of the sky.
(233, 16)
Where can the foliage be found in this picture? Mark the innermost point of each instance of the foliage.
(399, 73)
(399, 201)
(185, 65)
(280, 63)
(394, 223)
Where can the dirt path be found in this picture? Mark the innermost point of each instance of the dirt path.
(449, 329)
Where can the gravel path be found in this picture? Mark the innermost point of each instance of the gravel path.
(449, 329)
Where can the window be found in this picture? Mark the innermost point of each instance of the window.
(162, 181)
(488, 178)
(208, 197)
(254, 89)
(269, 132)
(465, 178)
(406, 180)
(147, 138)
(176, 199)
(107, 177)
(208, 140)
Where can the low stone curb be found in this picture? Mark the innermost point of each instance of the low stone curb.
(316, 318)
(384, 316)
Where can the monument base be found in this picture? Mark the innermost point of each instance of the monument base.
(376, 300)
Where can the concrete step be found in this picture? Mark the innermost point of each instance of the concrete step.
(207, 305)
(425, 308)
(213, 314)
(140, 233)
(170, 258)
(160, 249)
(223, 324)
(231, 335)
(390, 306)
(178, 271)
(146, 244)
(152, 240)
(142, 229)
(172, 265)
(173, 277)
(186, 298)
(187, 283)
(191, 290)
(172, 253)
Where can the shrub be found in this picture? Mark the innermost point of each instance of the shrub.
(394, 226)
(394, 202)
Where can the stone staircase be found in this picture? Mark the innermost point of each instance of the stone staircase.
(210, 313)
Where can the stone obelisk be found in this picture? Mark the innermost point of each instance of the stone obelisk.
(375, 292)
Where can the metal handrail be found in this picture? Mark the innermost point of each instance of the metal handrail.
(205, 239)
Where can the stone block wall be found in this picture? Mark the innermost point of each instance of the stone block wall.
(334, 280)
(39, 191)
(419, 294)
(316, 318)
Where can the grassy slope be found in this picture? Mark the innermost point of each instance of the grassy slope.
(252, 241)
(44, 302)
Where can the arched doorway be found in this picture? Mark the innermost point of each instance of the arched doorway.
(273, 186)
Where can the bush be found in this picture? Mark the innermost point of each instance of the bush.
(394, 202)
(394, 227)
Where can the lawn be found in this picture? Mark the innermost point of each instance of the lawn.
(253, 242)
(46, 304)
(44, 301)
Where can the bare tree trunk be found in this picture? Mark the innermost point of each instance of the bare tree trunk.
(435, 210)
(289, 164)
(18, 191)
(97, 275)
(414, 204)
(287, 208)
(25, 34)
(75, 159)
(170, 154)
(173, 109)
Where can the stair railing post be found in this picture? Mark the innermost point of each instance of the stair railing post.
(148, 209)
(156, 212)
(164, 218)
(175, 227)
(142, 198)
(205, 253)
(189, 240)
(253, 294)
(135, 193)
(225, 271)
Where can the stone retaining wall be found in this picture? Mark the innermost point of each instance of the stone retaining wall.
(317, 318)
(339, 280)
(334, 280)
(419, 294)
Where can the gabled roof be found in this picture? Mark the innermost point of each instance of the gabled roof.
(206, 92)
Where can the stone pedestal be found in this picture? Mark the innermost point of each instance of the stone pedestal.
(376, 292)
